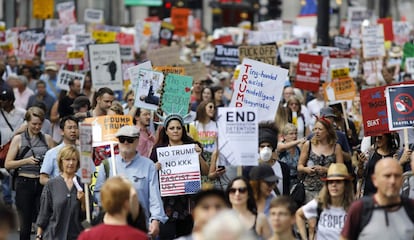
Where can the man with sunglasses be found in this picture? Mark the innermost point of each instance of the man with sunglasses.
(141, 172)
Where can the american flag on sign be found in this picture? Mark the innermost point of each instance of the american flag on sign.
(180, 184)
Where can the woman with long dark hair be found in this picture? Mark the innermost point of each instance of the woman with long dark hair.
(240, 196)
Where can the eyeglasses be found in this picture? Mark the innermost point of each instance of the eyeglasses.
(122, 139)
(240, 190)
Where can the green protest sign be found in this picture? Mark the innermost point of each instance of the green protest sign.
(176, 94)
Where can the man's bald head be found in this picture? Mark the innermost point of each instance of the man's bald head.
(387, 178)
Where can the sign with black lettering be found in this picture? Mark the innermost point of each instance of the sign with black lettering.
(290, 53)
(265, 53)
(180, 170)
(400, 106)
(225, 55)
(238, 138)
(343, 43)
(64, 77)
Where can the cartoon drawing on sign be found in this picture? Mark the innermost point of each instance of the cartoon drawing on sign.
(148, 88)
(111, 69)
(150, 97)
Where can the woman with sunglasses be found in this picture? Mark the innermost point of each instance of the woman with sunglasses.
(316, 156)
(328, 211)
(240, 195)
(385, 145)
(173, 134)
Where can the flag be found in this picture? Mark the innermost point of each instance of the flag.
(180, 184)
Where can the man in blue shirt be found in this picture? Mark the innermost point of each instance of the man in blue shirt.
(141, 172)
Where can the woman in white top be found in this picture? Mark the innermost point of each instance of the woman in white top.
(328, 211)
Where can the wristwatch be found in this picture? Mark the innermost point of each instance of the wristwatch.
(39, 236)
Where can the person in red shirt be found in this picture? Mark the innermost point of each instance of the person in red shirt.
(117, 194)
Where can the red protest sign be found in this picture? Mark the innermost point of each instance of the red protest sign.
(374, 111)
(388, 28)
(308, 72)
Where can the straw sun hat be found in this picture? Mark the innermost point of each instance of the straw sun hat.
(337, 171)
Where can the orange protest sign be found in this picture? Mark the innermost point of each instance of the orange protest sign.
(43, 9)
(104, 128)
(168, 69)
(339, 89)
(179, 18)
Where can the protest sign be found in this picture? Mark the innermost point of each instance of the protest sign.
(180, 170)
(176, 94)
(64, 77)
(85, 139)
(372, 72)
(104, 128)
(43, 9)
(168, 69)
(356, 15)
(270, 25)
(82, 40)
(308, 72)
(76, 29)
(374, 111)
(238, 138)
(206, 56)
(29, 43)
(66, 11)
(387, 26)
(105, 64)
(166, 33)
(93, 15)
(222, 40)
(264, 53)
(259, 85)
(56, 52)
(148, 90)
(265, 37)
(401, 32)
(290, 53)
(225, 55)
(134, 72)
(373, 41)
(343, 43)
(101, 36)
(400, 106)
(75, 56)
(179, 18)
(164, 56)
(127, 53)
(196, 70)
(339, 89)
(409, 65)
(353, 67)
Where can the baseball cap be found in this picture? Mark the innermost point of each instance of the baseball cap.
(128, 131)
(80, 102)
(327, 112)
(263, 172)
(51, 66)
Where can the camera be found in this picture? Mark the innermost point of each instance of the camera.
(40, 159)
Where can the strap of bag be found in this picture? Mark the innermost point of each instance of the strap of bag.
(7, 121)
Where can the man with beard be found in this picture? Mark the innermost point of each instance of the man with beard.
(141, 172)
(142, 120)
(70, 133)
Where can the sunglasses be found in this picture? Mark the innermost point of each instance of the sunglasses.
(128, 139)
(240, 190)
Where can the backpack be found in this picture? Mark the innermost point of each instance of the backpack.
(408, 184)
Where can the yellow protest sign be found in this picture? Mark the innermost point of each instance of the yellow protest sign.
(103, 36)
(104, 128)
(43, 9)
(168, 69)
(339, 73)
(75, 54)
(339, 89)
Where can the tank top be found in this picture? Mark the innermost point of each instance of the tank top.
(37, 147)
(313, 182)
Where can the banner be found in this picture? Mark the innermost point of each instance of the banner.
(308, 72)
(374, 111)
(148, 90)
(373, 41)
(64, 77)
(259, 85)
(400, 106)
(225, 55)
(290, 53)
(179, 18)
(339, 89)
(164, 56)
(180, 170)
(238, 140)
(105, 65)
(176, 94)
(93, 15)
(265, 53)
(104, 128)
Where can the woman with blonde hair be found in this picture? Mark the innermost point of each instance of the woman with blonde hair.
(330, 207)
(316, 156)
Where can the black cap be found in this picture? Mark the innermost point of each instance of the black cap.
(326, 112)
(81, 101)
(269, 136)
(7, 94)
(263, 172)
(198, 197)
